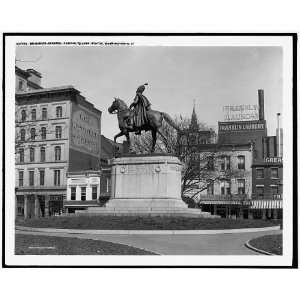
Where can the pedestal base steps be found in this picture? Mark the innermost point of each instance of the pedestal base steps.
(146, 207)
(146, 185)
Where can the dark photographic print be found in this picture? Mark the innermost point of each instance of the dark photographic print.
(144, 150)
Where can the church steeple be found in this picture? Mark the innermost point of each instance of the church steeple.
(194, 123)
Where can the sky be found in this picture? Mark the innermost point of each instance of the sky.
(212, 77)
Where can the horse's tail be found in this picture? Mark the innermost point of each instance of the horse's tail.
(170, 121)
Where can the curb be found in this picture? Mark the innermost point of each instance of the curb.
(247, 244)
(153, 232)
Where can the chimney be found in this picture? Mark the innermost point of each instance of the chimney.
(35, 76)
(261, 110)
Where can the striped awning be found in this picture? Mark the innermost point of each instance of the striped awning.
(225, 202)
(266, 204)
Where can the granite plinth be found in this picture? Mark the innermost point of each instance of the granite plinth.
(146, 185)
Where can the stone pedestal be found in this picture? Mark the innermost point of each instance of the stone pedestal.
(146, 185)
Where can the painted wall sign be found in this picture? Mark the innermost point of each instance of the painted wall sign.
(243, 126)
(277, 160)
(245, 112)
(86, 132)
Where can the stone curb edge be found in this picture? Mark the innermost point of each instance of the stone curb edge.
(247, 244)
(158, 232)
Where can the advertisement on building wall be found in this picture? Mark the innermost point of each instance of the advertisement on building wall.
(241, 126)
(245, 112)
(85, 131)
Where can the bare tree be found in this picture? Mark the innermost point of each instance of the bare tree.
(201, 168)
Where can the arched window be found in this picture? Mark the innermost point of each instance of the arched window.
(43, 133)
(21, 152)
(44, 113)
(31, 154)
(58, 112)
(58, 131)
(32, 133)
(33, 114)
(22, 133)
(23, 115)
(43, 153)
(57, 152)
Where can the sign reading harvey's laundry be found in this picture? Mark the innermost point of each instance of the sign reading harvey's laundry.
(245, 112)
(85, 131)
(241, 126)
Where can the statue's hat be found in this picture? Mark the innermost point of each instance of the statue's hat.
(141, 88)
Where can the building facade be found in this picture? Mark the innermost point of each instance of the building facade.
(229, 187)
(57, 131)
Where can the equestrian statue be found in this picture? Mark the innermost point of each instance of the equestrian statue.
(139, 116)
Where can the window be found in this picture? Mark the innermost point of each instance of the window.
(43, 133)
(32, 134)
(260, 173)
(21, 178)
(42, 177)
(193, 139)
(56, 177)
(274, 173)
(210, 163)
(23, 115)
(58, 132)
(33, 114)
(225, 188)
(31, 156)
(210, 188)
(241, 186)
(225, 163)
(57, 151)
(58, 112)
(21, 153)
(31, 178)
(44, 113)
(274, 189)
(73, 193)
(43, 154)
(83, 193)
(22, 133)
(94, 192)
(241, 162)
(260, 191)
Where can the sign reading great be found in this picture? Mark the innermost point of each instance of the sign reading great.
(245, 112)
(241, 126)
(85, 131)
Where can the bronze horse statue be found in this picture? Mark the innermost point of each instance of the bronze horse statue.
(154, 122)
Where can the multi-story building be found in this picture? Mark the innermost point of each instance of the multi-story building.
(266, 198)
(57, 131)
(229, 184)
(267, 174)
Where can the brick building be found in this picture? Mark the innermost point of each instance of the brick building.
(229, 193)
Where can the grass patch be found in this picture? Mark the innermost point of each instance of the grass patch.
(142, 223)
(43, 245)
(269, 243)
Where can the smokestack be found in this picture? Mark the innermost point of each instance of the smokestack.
(261, 109)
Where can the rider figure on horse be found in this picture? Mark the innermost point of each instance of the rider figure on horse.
(140, 107)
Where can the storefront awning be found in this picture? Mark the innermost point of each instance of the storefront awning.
(266, 204)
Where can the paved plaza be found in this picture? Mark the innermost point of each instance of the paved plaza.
(207, 244)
